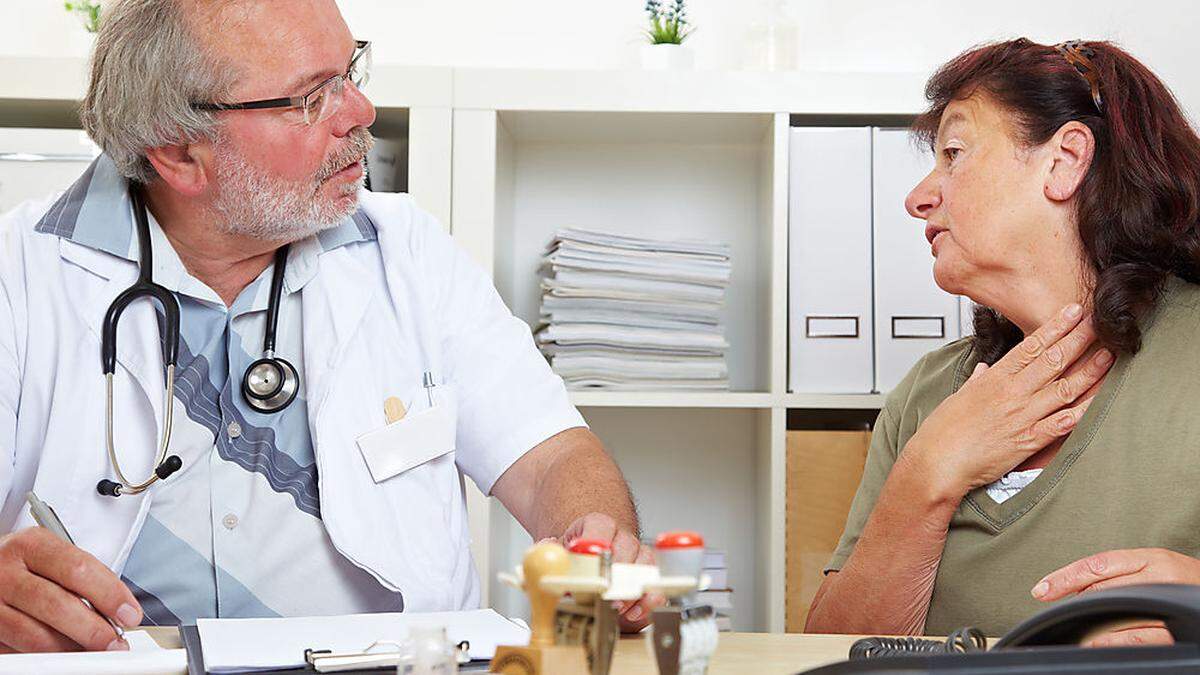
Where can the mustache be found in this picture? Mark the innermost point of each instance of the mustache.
(359, 142)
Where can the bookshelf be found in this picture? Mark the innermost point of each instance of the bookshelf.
(413, 105)
(504, 157)
(667, 155)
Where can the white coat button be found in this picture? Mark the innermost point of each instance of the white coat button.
(234, 430)
(230, 521)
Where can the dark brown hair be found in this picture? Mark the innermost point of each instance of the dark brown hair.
(1138, 206)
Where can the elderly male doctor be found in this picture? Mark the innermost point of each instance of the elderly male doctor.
(323, 506)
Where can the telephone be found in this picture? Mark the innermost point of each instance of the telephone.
(1048, 642)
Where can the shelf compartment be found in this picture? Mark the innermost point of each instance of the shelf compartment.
(519, 176)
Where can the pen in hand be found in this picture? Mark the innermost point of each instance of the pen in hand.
(44, 516)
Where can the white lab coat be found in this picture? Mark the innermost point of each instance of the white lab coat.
(371, 326)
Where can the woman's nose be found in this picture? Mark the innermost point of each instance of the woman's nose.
(924, 198)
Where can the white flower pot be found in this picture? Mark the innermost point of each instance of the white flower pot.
(666, 57)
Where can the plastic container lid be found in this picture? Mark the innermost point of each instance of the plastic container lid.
(589, 546)
(679, 539)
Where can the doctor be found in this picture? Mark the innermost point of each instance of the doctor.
(316, 502)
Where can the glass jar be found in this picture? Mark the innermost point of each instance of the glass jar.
(427, 651)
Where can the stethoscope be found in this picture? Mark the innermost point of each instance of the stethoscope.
(269, 385)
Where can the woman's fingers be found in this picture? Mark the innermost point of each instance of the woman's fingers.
(1037, 342)
(1133, 637)
(980, 369)
(1058, 357)
(1079, 383)
(1056, 426)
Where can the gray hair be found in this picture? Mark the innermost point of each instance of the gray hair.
(148, 66)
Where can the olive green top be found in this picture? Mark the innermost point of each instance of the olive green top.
(1127, 477)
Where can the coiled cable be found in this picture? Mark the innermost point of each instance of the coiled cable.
(966, 639)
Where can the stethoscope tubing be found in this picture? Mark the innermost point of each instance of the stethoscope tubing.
(127, 486)
(275, 401)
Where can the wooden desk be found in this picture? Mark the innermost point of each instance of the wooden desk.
(740, 653)
(737, 653)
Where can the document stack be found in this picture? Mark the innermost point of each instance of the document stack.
(718, 594)
(627, 313)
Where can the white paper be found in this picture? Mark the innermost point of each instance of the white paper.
(705, 312)
(604, 239)
(262, 644)
(144, 657)
(613, 284)
(633, 337)
(628, 313)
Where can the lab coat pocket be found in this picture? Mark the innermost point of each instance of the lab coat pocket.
(420, 437)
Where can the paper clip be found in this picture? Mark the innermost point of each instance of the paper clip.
(326, 661)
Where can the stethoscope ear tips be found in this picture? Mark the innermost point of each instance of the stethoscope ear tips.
(108, 488)
(169, 466)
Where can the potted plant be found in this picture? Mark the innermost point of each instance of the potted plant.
(668, 29)
(88, 12)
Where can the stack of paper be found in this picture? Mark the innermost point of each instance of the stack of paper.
(144, 657)
(718, 594)
(628, 313)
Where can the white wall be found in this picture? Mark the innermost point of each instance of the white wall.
(830, 34)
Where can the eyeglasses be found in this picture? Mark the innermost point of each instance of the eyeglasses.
(1078, 54)
(322, 101)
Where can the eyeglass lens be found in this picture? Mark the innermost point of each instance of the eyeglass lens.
(323, 103)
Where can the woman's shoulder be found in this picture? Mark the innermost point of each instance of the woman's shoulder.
(934, 377)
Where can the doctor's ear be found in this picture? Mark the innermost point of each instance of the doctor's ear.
(183, 167)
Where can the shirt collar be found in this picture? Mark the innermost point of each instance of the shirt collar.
(96, 212)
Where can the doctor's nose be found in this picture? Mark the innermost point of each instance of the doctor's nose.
(356, 111)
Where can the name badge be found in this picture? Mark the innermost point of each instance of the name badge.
(410, 442)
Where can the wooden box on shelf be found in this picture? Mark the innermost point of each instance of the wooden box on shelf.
(823, 472)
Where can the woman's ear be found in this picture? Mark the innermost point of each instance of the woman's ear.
(1071, 152)
(183, 167)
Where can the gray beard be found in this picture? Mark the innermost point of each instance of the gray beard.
(253, 203)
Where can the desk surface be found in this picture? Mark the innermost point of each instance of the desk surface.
(737, 653)
(740, 653)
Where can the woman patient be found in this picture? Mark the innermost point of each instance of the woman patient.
(1058, 451)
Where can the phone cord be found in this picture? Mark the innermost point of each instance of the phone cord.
(966, 639)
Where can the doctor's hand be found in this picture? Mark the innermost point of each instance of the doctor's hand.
(41, 580)
(626, 548)
(1126, 567)
(1030, 398)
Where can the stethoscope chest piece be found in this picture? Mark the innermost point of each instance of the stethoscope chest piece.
(270, 384)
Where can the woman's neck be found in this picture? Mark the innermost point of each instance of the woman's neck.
(1032, 298)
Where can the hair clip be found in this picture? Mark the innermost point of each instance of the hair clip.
(1079, 55)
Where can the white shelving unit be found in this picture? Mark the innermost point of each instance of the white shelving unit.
(665, 154)
(413, 104)
(505, 157)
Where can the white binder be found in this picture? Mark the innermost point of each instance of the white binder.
(912, 315)
(966, 316)
(829, 261)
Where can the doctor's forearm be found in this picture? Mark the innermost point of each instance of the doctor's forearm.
(563, 478)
